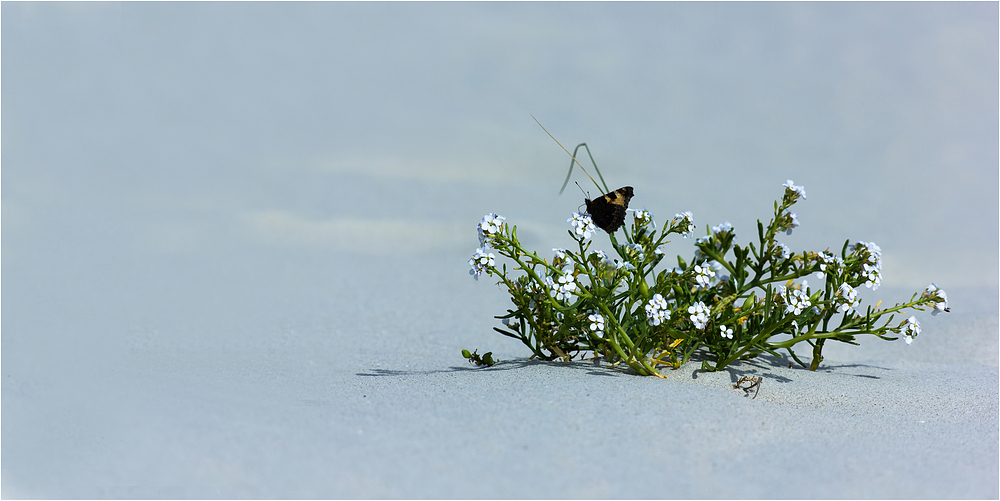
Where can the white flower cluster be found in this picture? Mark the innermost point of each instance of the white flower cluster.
(795, 300)
(847, 298)
(726, 332)
(800, 191)
(699, 315)
(722, 228)
(872, 267)
(489, 228)
(828, 263)
(563, 288)
(657, 310)
(911, 328)
(685, 223)
(936, 293)
(602, 256)
(597, 324)
(703, 275)
(624, 265)
(635, 250)
(582, 224)
(646, 217)
(480, 261)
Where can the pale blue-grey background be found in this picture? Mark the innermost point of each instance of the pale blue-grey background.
(209, 208)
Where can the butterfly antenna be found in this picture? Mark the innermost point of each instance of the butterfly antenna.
(567, 152)
(586, 196)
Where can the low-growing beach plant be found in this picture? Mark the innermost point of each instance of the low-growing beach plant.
(728, 302)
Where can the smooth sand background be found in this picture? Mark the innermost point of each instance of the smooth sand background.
(235, 241)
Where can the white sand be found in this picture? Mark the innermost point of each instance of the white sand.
(320, 395)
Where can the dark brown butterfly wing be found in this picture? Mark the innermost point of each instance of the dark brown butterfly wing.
(608, 211)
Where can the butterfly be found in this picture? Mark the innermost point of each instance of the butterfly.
(608, 211)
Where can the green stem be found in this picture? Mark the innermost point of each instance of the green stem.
(642, 367)
(720, 259)
(817, 354)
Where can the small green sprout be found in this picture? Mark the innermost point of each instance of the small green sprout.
(474, 358)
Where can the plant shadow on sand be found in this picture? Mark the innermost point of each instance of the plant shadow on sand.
(507, 365)
(767, 367)
(770, 363)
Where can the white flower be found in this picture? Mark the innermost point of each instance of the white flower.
(799, 190)
(684, 222)
(795, 300)
(563, 290)
(936, 293)
(872, 274)
(597, 324)
(657, 310)
(846, 298)
(872, 267)
(703, 275)
(603, 256)
(828, 261)
(794, 224)
(635, 250)
(699, 315)
(622, 264)
(646, 217)
(910, 329)
(560, 253)
(785, 251)
(722, 228)
(489, 228)
(726, 332)
(582, 224)
(874, 251)
(480, 261)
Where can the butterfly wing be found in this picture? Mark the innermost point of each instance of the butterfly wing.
(608, 211)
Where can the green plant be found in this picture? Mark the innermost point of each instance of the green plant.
(728, 302)
(474, 358)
